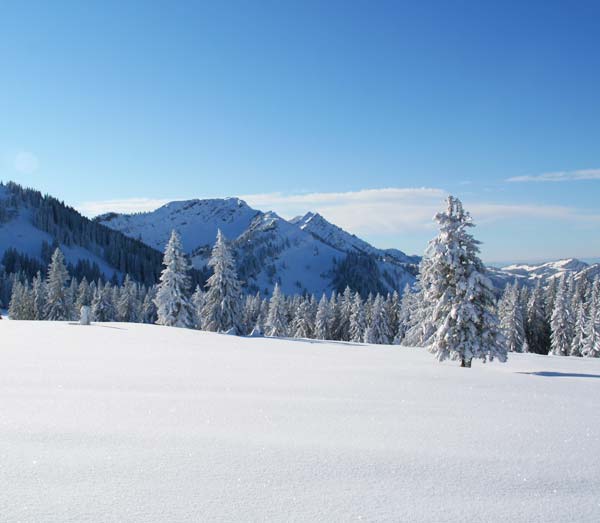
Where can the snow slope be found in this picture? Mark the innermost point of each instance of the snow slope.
(19, 233)
(140, 423)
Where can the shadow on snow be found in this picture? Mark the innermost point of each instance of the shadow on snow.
(551, 374)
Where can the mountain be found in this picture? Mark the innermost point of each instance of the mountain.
(306, 254)
(530, 274)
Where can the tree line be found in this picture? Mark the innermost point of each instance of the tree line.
(452, 308)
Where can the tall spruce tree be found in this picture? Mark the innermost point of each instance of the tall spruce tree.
(560, 322)
(222, 311)
(172, 296)
(459, 294)
(58, 306)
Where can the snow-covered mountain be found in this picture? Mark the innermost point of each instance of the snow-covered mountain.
(530, 274)
(306, 254)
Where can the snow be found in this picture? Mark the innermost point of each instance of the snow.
(143, 423)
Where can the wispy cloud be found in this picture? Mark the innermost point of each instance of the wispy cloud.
(373, 212)
(26, 162)
(559, 176)
(368, 211)
(125, 206)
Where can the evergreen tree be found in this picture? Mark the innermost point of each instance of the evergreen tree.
(222, 310)
(560, 323)
(128, 306)
(536, 326)
(406, 308)
(301, 324)
(591, 340)
(322, 319)
(511, 319)
(580, 328)
(149, 312)
(58, 306)
(198, 300)
(459, 294)
(358, 320)
(102, 305)
(172, 300)
(84, 295)
(378, 329)
(38, 290)
(276, 321)
(345, 311)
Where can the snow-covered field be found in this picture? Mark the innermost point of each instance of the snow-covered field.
(140, 423)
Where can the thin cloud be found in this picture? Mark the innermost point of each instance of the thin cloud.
(26, 162)
(559, 176)
(125, 206)
(372, 212)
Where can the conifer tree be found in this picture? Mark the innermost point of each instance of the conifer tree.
(276, 321)
(301, 324)
(358, 320)
(579, 335)
(560, 323)
(58, 306)
(591, 340)
(38, 291)
(459, 294)
(536, 326)
(511, 319)
(149, 313)
(198, 301)
(172, 296)
(222, 311)
(322, 319)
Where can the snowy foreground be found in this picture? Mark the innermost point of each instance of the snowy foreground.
(140, 423)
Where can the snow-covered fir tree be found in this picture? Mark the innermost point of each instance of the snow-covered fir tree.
(537, 328)
(358, 320)
(579, 332)
(38, 292)
(128, 307)
(511, 319)
(405, 310)
(58, 306)
(561, 321)
(302, 325)
(591, 341)
(102, 306)
(277, 321)
(149, 312)
(458, 293)
(198, 301)
(378, 330)
(222, 311)
(345, 311)
(322, 319)
(172, 295)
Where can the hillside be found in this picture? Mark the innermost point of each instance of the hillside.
(307, 254)
(32, 225)
(146, 424)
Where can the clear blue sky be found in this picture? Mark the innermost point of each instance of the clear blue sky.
(141, 102)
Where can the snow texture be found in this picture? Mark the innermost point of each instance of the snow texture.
(144, 423)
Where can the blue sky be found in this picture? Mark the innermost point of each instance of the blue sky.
(370, 112)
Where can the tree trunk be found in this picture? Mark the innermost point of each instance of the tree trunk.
(465, 363)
